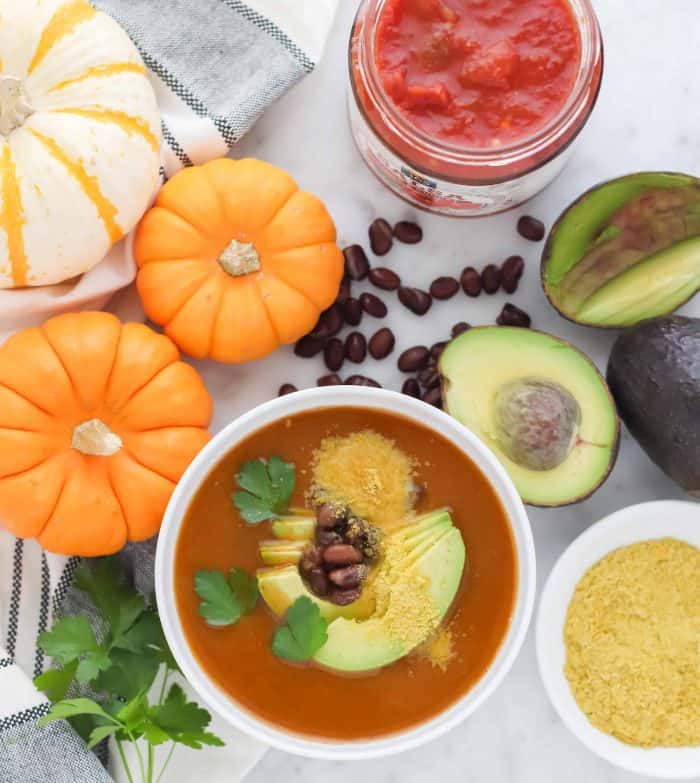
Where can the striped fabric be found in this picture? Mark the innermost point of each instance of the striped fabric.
(215, 66)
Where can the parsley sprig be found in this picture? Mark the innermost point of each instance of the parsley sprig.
(266, 489)
(305, 632)
(225, 599)
(121, 659)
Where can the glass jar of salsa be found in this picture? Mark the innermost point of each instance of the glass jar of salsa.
(469, 107)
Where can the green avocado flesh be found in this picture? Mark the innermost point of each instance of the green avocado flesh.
(627, 250)
(359, 638)
(539, 404)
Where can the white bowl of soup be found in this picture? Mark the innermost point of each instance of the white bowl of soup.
(393, 561)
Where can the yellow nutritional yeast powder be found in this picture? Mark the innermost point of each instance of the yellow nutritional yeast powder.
(366, 472)
(632, 637)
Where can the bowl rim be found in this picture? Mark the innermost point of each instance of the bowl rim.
(631, 524)
(330, 397)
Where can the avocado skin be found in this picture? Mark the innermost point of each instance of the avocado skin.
(654, 376)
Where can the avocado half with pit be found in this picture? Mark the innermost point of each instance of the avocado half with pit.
(654, 375)
(627, 250)
(359, 638)
(539, 404)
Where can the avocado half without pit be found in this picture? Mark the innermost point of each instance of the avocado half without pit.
(626, 250)
(539, 404)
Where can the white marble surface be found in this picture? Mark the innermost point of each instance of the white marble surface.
(648, 117)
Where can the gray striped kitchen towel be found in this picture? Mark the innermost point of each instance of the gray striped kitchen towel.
(215, 66)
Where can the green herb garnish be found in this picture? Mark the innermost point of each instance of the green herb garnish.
(121, 656)
(266, 489)
(304, 634)
(226, 600)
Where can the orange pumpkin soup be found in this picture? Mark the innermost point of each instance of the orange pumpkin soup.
(329, 449)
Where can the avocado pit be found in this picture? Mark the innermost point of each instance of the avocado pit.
(537, 422)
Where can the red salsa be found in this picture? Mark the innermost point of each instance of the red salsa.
(478, 73)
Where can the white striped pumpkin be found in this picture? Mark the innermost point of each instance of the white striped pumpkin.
(79, 139)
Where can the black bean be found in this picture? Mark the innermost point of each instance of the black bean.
(411, 387)
(513, 316)
(350, 576)
(460, 328)
(329, 514)
(433, 396)
(329, 324)
(326, 538)
(329, 380)
(344, 291)
(352, 311)
(531, 228)
(471, 281)
(437, 348)
(380, 237)
(444, 288)
(491, 278)
(356, 263)
(341, 555)
(355, 347)
(511, 271)
(312, 557)
(384, 278)
(334, 354)
(415, 300)
(429, 377)
(381, 344)
(373, 305)
(318, 582)
(308, 347)
(344, 597)
(362, 380)
(408, 232)
(286, 388)
(414, 359)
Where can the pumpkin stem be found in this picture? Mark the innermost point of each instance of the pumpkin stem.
(94, 438)
(239, 258)
(14, 108)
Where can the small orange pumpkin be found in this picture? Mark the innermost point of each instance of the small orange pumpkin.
(235, 260)
(98, 421)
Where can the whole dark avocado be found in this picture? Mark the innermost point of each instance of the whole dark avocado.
(654, 376)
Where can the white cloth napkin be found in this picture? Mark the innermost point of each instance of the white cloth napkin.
(215, 66)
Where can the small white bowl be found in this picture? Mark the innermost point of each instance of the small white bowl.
(312, 399)
(659, 519)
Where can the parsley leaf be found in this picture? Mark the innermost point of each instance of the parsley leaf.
(303, 635)
(119, 604)
(56, 682)
(69, 638)
(70, 707)
(225, 600)
(266, 489)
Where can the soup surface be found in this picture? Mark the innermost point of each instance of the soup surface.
(305, 698)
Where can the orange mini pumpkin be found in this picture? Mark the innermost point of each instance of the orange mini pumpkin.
(235, 260)
(98, 421)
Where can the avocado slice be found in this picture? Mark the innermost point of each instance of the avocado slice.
(281, 552)
(354, 646)
(280, 587)
(627, 250)
(539, 404)
(654, 375)
(294, 528)
(360, 638)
